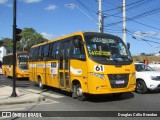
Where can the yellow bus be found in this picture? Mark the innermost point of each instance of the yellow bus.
(21, 65)
(83, 63)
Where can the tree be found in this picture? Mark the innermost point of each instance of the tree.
(7, 42)
(29, 38)
(136, 58)
(143, 54)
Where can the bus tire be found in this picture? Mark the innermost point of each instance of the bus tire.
(74, 95)
(40, 83)
(80, 95)
(141, 87)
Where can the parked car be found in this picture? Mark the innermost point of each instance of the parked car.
(146, 78)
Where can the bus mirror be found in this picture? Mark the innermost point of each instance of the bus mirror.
(82, 43)
(128, 45)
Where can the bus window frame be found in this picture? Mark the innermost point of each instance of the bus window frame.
(54, 56)
(46, 50)
(35, 54)
(77, 42)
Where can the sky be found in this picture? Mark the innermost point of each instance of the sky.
(54, 18)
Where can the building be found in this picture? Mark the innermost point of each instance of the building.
(4, 51)
(157, 54)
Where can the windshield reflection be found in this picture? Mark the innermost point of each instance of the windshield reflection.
(107, 48)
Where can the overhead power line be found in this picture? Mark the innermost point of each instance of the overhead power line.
(144, 14)
(73, 5)
(130, 4)
(145, 40)
(144, 24)
(88, 9)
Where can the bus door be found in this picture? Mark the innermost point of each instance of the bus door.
(35, 63)
(46, 70)
(64, 64)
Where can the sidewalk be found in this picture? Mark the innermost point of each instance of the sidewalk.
(22, 96)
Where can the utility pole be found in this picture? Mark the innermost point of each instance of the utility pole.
(14, 94)
(124, 21)
(103, 16)
(100, 16)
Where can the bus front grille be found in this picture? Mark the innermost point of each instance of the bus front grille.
(118, 80)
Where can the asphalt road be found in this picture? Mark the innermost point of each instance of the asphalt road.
(57, 100)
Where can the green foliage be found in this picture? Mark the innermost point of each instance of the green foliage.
(7, 42)
(29, 38)
(142, 54)
(136, 58)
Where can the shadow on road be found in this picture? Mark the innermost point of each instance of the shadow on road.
(92, 98)
(151, 92)
(110, 97)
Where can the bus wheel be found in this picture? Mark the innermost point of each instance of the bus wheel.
(74, 93)
(141, 87)
(40, 83)
(79, 93)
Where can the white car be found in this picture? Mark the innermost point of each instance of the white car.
(146, 78)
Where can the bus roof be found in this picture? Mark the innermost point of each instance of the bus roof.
(73, 34)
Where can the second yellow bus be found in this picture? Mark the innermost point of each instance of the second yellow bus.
(21, 65)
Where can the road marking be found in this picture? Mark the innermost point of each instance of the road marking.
(50, 94)
(48, 101)
(33, 90)
(22, 107)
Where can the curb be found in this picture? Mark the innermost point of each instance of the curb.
(28, 98)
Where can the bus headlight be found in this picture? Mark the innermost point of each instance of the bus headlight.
(98, 75)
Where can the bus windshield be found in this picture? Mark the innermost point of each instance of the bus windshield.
(23, 61)
(106, 49)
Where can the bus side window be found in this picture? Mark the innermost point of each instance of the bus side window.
(10, 60)
(77, 51)
(46, 51)
(54, 51)
(31, 55)
(40, 56)
(35, 54)
(4, 60)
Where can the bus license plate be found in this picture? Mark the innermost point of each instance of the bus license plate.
(119, 81)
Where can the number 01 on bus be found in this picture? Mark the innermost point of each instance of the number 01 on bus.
(83, 63)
